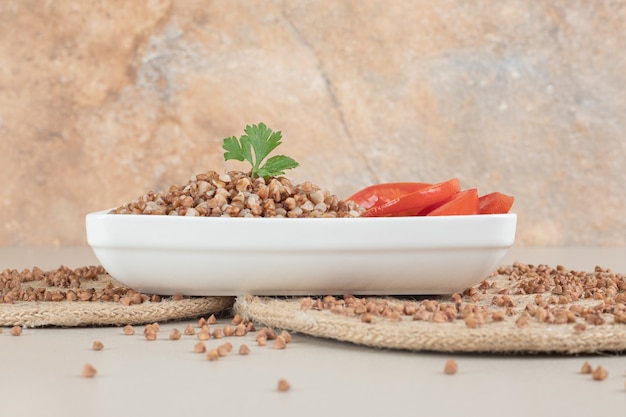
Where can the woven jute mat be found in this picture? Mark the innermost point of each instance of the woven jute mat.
(518, 309)
(88, 296)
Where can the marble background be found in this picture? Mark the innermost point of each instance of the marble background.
(101, 101)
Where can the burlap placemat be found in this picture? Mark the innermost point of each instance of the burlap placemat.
(518, 309)
(88, 296)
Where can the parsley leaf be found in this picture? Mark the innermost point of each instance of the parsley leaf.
(260, 141)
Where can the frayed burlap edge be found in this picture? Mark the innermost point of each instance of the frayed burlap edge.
(84, 313)
(497, 337)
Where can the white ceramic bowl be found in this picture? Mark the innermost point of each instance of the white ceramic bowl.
(282, 256)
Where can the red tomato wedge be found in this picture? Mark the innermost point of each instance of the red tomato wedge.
(379, 194)
(495, 203)
(462, 203)
(413, 203)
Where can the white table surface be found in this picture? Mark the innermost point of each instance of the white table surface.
(40, 371)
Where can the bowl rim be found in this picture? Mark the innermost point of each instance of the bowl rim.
(300, 219)
(299, 234)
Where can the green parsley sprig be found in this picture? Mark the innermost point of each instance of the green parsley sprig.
(258, 142)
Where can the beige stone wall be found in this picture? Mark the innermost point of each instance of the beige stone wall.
(101, 101)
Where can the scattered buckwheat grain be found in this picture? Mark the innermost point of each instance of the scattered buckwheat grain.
(212, 319)
(280, 343)
(470, 321)
(16, 331)
(97, 345)
(228, 330)
(129, 330)
(440, 317)
(89, 371)
(223, 350)
(174, 334)
(189, 330)
(286, 336)
(586, 368)
(244, 350)
(599, 374)
(522, 321)
(270, 334)
(240, 330)
(199, 347)
(213, 355)
(150, 328)
(306, 303)
(450, 367)
(283, 385)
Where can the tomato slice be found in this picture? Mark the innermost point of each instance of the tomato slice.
(495, 203)
(463, 202)
(379, 194)
(415, 202)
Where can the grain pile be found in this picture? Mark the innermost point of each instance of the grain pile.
(89, 296)
(66, 284)
(519, 308)
(236, 194)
